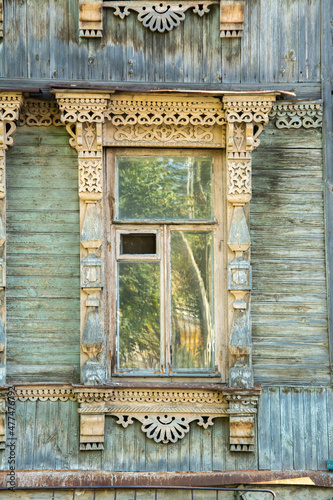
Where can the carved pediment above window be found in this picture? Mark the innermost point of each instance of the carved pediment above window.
(156, 119)
(161, 16)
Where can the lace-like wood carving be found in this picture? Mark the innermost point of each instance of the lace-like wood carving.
(40, 113)
(159, 16)
(296, 115)
(156, 119)
(165, 414)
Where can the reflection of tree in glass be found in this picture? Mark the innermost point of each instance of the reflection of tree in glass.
(191, 279)
(139, 315)
(164, 187)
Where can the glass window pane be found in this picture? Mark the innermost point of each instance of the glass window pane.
(192, 312)
(138, 316)
(164, 188)
(135, 243)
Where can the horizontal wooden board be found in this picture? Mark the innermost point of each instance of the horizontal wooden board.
(289, 299)
(43, 245)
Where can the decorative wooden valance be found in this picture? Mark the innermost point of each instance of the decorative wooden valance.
(160, 16)
(165, 413)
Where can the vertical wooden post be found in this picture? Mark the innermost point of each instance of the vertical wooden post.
(10, 104)
(245, 116)
(84, 114)
(327, 89)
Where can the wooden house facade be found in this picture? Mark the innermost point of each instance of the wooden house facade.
(166, 251)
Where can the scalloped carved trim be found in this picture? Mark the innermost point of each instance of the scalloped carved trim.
(159, 16)
(165, 414)
(82, 107)
(296, 115)
(40, 113)
(156, 119)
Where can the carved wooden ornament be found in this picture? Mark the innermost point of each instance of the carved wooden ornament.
(231, 18)
(126, 119)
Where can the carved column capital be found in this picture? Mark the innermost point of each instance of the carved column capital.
(245, 115)
(83, 112)
(82, 106)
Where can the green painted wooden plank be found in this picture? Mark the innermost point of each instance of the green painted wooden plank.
(38, 217)
(287, 139)
(43, 257)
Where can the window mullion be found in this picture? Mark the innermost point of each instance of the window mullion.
(167, 297)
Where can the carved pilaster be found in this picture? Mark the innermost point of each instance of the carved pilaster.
(10, 104)
(84, 114)
(246, 116)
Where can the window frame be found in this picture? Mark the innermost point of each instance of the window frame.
(218, 225)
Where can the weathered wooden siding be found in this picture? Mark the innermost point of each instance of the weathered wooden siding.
(43, 294)
(48, 438)
(281, 43)
(289, 300)
(295, 429)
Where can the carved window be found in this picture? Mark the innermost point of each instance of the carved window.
(166, 266)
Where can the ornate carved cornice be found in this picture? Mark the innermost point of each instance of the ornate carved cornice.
(155, 119)
(82, 106)
(40, 113)
(248, 108)
(293, 114)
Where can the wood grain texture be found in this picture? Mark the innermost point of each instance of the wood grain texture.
(289, 304)
(43, 301)
(294, 433)
(280, 44)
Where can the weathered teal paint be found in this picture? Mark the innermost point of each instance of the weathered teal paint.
(289, 301)
(43, 287)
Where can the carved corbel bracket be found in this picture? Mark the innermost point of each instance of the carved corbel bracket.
(245, 115)
(165, 415)
(83, 114)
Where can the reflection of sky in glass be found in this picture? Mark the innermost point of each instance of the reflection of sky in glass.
(164, 188)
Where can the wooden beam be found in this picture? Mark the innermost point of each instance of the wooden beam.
(327, 86)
